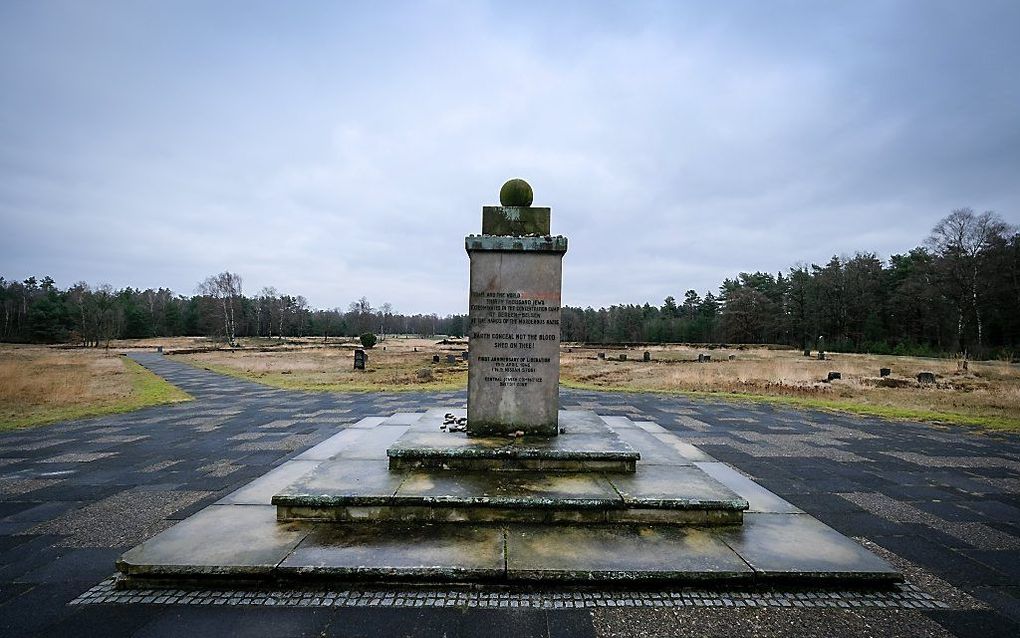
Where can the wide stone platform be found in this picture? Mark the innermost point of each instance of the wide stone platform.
(420, 484)
(240, 539)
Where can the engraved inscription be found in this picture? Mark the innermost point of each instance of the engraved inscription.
(515, 322)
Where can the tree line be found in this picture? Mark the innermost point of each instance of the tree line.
(37, 311)
(959, 292)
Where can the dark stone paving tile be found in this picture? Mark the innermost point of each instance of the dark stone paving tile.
(38, 607)
(39, 512)
(102, 621)
(226, 622)
(986, 624)
(11, 590)
(925, 493)
(1007, 562)
(74, 491)
(12, 508)
(570, 622)
(488, 623)
(943, 561)
(948, 511)
(1006, 600)
(820, 502)
(995, 509)
(8, 542)
(29, 556)
(860, 523)
(84, 565)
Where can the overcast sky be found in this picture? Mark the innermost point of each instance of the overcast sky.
(338, 151)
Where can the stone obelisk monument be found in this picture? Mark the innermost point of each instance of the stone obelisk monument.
(516, 275)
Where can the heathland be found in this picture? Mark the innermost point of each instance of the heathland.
(40, 385)
(985, 393)
(44, 384)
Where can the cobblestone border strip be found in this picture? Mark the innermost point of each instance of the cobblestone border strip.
(903, 596)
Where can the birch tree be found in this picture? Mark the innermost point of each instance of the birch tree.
(225, 288)
(961, 239)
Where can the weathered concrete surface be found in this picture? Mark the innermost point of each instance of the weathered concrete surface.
(259, 491)
(675, 487)
(621, 553)
(558, 490)
(758, 498)
(512, 490)
(800, 546)
(221, 540)
(514, 356)
(432, 552)
(586, 443)
(351, 481)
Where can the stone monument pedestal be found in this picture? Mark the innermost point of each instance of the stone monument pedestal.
(514, 309)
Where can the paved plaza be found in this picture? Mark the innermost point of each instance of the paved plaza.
(942, 504)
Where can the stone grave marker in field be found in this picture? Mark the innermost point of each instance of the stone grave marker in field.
(360, 359)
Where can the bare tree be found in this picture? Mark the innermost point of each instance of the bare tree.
(385, 312)
(264, 307)
(104, 302)
(361, 314)
(226, 288)
(961, 239)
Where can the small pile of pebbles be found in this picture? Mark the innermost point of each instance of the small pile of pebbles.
(453, 424)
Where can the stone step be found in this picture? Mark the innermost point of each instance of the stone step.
(245, 544)
(349, 491)
(585, 443)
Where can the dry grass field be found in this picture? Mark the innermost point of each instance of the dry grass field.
(394, 364)
(41, 385)
(985, 393)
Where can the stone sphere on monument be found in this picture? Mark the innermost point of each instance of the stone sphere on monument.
(516, 192)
